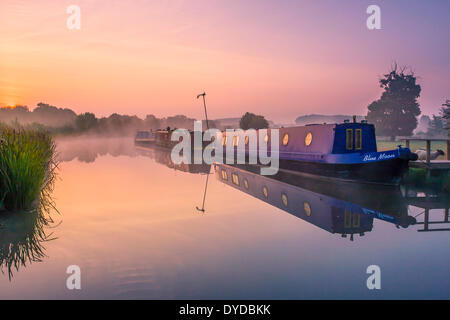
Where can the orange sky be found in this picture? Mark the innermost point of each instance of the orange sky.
(280, 58)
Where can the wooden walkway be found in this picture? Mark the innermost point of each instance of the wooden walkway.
(432, 164)
(428, 164)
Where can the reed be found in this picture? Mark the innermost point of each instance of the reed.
(27, 167)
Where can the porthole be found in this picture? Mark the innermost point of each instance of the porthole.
(285, 139)
(265, 192)
(246, 184)
(235, 179)
(224, 175)
(284, 199)
(308, 139)
(307, 208)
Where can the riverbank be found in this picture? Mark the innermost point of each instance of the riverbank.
(27, 167)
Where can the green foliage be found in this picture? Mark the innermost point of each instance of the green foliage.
(252, 121)
(27, 166)
(395, 113)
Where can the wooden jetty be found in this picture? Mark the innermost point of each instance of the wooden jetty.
(428, 201)
(428, 164)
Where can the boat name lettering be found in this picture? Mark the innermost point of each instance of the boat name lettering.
(381, 156)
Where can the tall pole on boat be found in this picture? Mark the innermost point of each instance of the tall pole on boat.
(204, 105)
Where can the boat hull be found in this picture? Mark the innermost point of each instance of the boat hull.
(381, 172)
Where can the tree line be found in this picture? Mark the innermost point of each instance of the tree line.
(66, 121)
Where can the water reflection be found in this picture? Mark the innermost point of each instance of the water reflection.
(22, 238)
(428, 200)
(88, 149)
(345, 209)
(163, 156)
(131, 225)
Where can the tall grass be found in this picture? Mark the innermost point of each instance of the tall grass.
(27, 167)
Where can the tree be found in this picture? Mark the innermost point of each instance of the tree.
(424, 124)
(86, 121)
(395, 113)
(52, 116)
(436, 126)
(253, 121)
(445, 112)
(152, 122)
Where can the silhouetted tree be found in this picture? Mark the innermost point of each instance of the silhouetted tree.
(52, 116)
(395, 113)
(445, 112)
(152, 122)
(253, 121)
(86, 121)
(436, 126)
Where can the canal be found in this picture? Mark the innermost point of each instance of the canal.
(130, 220)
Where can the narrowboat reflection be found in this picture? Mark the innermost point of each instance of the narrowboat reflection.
(326, 206)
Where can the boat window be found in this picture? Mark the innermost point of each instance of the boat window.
(308, 139)
(285, 139)
(246, 139)
(265, 192)
(356, 220)
(235, 141)
(246, 184)
(358, 139)
(224, 140)
(266, 138)
(235, 178)
(307, 208)
(284, 199)
(347, 219)
(349, 139)
(224, 175)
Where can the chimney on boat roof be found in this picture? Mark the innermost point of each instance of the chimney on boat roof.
(354, 119)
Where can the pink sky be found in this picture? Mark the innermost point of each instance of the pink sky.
(278, 58)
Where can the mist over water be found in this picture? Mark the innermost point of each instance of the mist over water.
(128, 218)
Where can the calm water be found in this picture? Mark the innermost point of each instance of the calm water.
(129, 220)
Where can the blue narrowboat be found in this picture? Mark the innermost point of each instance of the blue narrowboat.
(345, 151)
